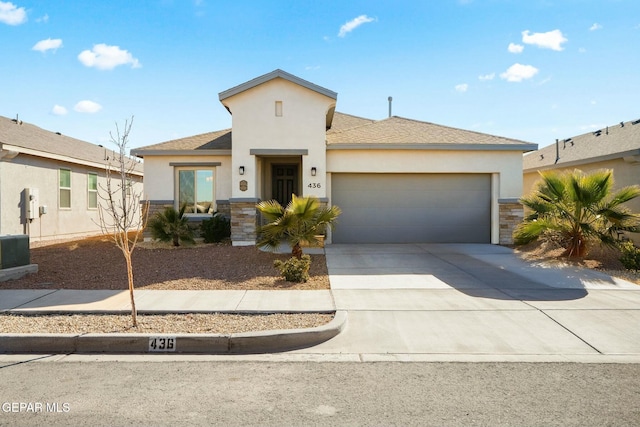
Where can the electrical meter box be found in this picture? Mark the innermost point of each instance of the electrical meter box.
(32, 202)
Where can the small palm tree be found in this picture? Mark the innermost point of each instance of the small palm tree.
(171, 225)
(302, 220)
(580, 208)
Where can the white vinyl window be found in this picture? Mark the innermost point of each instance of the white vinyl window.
(92, 190)
(64, 199)
(195, 189)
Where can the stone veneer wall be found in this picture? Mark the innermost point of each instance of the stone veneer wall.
(154, 207)
(511, 214)
(223, 208)
(244, 219)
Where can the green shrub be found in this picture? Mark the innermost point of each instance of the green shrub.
(630, 257)
(215, 229)
(294, 269)
(171, 225)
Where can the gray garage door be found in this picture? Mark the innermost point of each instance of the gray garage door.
(412, 208)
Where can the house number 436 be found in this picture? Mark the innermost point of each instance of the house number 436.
(314, 185)
(162, 343)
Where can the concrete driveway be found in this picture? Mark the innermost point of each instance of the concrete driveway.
(476, 302)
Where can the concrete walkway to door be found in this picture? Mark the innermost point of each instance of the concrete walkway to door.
(476, 302)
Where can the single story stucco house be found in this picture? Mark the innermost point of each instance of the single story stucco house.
(615, 147)
(396, 180)
(50, 183)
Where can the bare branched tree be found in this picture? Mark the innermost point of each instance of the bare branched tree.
(122, 214)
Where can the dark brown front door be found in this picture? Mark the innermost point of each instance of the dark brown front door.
(285, 182)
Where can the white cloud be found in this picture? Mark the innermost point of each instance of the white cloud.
(519, 72)
(87, 107)
(353, 24)
(11, 14)
(44, 19)
(48, 44)
(59, 110)
(487, 77)
(550, 40)
(462, 88)
(582, 50)
(105, 57)
(515, 48)
(595, 27)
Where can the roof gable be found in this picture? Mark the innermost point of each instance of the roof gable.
(274, 75)
(615, 141)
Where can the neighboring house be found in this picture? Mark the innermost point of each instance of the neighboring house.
(49, 183)
(614, 147)
(396, 180)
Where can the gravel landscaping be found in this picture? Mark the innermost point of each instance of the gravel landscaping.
(96, 263)
(158, 324)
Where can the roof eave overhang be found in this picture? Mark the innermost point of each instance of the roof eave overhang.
(439, 147)
(142, 153)
(622, 155)
(61, 158)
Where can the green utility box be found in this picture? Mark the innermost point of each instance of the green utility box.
(14, 251)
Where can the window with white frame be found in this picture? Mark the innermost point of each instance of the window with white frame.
(64, 198)
(195, 189)
(92, 190)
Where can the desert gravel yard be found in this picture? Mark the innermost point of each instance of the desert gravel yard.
(96, 263)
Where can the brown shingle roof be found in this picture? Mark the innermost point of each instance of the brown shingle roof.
(218, 140)
(221, 140)
(610, 142)
(342, 121)
(349, 130)
(46, 143)
(399, 131)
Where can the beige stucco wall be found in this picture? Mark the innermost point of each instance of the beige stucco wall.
(624, 174)
(160, 176)
(506, 164)
(35, 172)
(256, 126)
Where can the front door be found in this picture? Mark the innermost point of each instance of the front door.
(285, 182)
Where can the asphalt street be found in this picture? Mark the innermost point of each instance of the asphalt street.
(214, 392)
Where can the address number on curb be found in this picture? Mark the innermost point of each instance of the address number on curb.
(162, 344)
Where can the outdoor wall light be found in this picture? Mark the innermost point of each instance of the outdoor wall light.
(241, 170)
(313, 171)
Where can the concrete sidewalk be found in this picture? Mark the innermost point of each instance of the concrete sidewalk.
(116, 301)
(158, 302)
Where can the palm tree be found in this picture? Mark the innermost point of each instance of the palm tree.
(171, 225)
(302, 220)
(580, 208)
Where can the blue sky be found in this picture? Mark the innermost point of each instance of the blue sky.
(533, 70)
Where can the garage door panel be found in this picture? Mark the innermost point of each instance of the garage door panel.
(399, 208)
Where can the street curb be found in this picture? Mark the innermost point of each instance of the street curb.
(242, 343)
